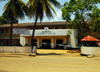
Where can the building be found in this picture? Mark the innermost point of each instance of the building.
(56, 34)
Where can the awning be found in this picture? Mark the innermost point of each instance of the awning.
(89, 38)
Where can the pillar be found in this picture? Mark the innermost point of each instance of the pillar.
(55, 41)
(64, 41)
(38, 45)
(27, 39)
(52, 42)
(22, 40)
(73, 39)
(40, 40)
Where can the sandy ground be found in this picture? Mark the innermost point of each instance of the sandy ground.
(48, 61)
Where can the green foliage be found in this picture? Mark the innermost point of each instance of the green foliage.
(25, 44)
(69, 33)
(17, 44)
(37, 8)
(3, 20)
(65, 44)
(2, 44)
(85, 12)
(17, 8)
(79, 45)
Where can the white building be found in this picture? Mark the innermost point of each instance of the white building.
(50, 36)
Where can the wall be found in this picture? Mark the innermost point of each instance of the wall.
(51, 33)
(6, 36)
(15, 49)
(90, 50)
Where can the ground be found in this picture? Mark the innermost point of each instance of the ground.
(49, 61)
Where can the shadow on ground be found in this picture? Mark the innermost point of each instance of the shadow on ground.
(3, 71)
(44, 54)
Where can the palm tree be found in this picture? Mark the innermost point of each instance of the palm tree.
(14, 9)
(37, 9)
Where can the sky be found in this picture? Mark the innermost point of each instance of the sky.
(57, 17)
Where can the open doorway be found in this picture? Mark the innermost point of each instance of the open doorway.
(34, 44)
(46, 44)
(59, 41)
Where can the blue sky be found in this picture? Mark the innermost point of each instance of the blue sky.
(27, 20)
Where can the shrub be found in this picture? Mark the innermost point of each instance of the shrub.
(2, 44)
(17, 44)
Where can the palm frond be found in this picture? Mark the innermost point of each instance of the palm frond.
(47, 9)
(55, 3)
(51, 7)
(18, 8)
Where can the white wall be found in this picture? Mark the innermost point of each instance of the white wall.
(53, 32)
(73, 39)
(90, 50)
(15, 49)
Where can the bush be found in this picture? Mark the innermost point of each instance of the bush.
(17, 44)
(2, 44)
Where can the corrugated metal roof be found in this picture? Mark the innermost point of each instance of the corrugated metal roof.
(32, 24)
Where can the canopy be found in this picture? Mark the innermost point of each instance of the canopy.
(89, 38)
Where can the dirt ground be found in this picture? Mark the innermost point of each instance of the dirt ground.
(49, 61)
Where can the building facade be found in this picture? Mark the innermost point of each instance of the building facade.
(51, 26)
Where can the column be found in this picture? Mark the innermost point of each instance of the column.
(64, 41)
(55, 41)
(40, 40)
(22, 40)
(73, 39)
(38, 45)
(27, 40)
(52, 42)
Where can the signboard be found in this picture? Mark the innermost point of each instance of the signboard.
(50, 32)
(21, 31)
(46, 32)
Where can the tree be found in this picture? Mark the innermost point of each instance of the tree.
(6, 21)
(14, 9)
(84, 13)
(37, 8)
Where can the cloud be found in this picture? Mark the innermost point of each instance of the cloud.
(58, 16)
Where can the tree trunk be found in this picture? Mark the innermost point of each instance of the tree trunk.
(32, 38)
(11, 30)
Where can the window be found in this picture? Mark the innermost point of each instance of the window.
(17, 41)
(70, 27)
(36, 28)
(64, 27)
(49, 27)
(42, 27)
(1, 41)
(6, 30)
(30, 28)
(7, 42)
(14, 41)
(94, 30)
(2, 31)
(56, 27)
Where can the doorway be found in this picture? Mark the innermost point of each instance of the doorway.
(46, 44)
(59, 41)
(34, 44)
